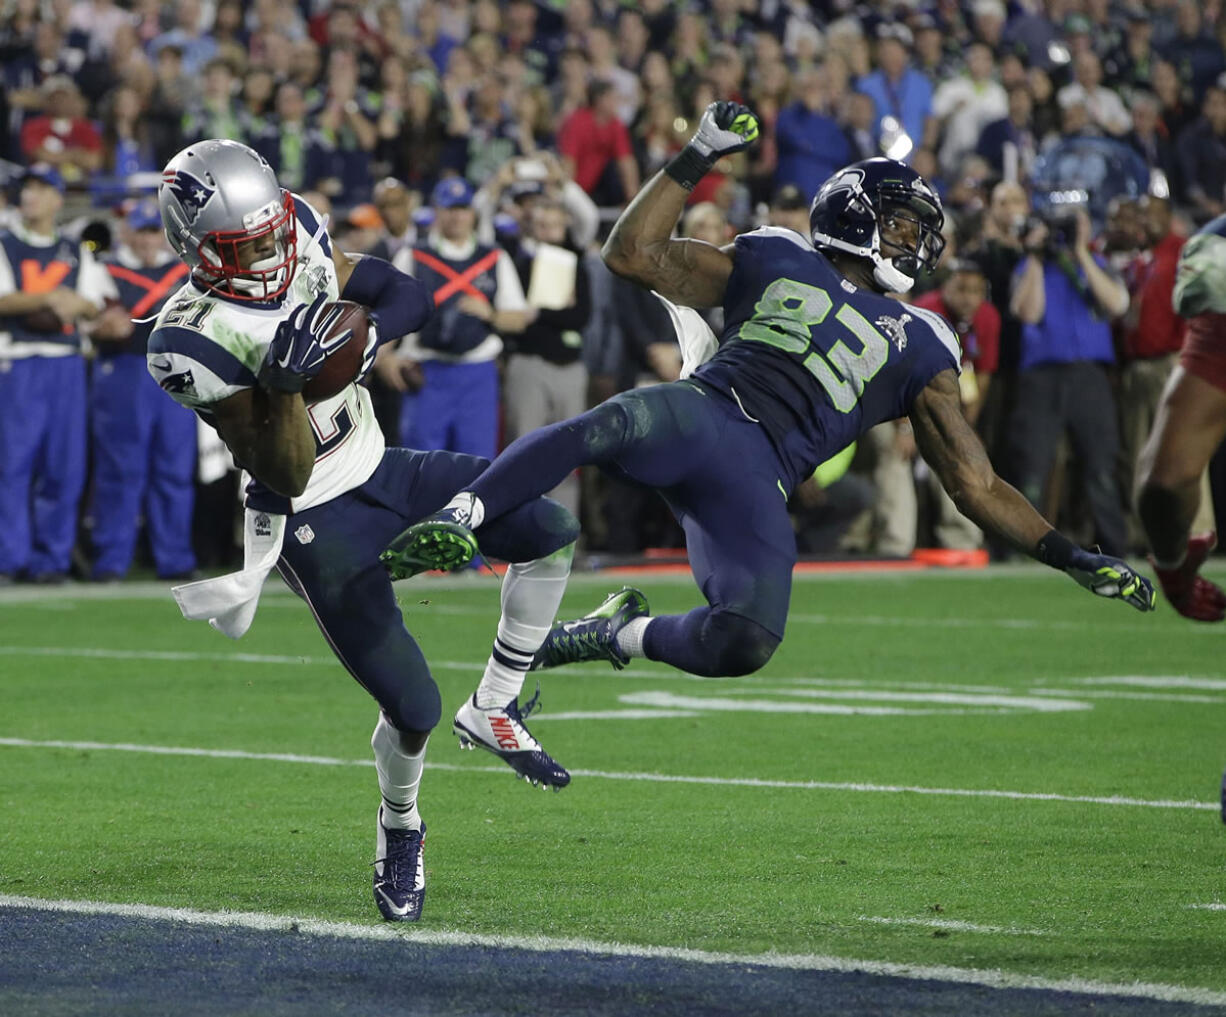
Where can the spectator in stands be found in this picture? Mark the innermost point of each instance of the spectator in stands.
(965, 105)
(168, 103)
(1194, 52)
(48, 285)
(346, 123)
(1201, 149)
(189, 36)
(902, 95)
(415, 153)
(434, 42)
(395, 204)
(1010, 144)
(1149, 137)
(656, 135)
(483, 134)
(127, 140)
(596, 150)
(789, 208)
(1066, 297)
(1176, 110)
(811, 143)
(61, 135)
(1047, 114)
(1104, 108)
(860, 126)
(603, 66)
(216, 113)
(1131, 65)
(297, 152)
(143, 444)
(36, 54)
(477, 294)
(545, 379)
(258, 100)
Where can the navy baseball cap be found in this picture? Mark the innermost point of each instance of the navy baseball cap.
(144, 215)
(45, 173)
(454, 192)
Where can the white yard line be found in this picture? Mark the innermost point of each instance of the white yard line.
(1215, 906)
(951, 925)
(259, 921)
(652, 778)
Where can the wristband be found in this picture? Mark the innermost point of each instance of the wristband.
(688, 166)
(1056, 550)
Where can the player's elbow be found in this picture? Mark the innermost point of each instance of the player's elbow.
(622, 255)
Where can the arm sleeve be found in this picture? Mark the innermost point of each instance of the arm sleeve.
(398, 302)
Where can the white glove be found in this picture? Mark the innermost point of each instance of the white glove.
(726, 127)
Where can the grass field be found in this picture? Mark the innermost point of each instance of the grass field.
(989, 770)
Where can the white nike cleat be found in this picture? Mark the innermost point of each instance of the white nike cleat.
(501, 731)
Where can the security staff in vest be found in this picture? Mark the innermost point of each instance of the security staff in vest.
(143, 444)
(48, 284)
(477, 294)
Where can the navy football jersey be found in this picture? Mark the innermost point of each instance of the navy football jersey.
(813, 358)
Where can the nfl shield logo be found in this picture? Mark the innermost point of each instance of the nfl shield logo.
(304, 534)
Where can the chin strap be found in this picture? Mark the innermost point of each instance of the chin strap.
(890, 276)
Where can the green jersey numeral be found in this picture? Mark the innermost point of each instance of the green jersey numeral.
(785, 318)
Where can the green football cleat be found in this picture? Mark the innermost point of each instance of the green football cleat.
(594, 636)
(437, 543)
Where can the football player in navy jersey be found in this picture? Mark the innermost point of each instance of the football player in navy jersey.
(812, 355)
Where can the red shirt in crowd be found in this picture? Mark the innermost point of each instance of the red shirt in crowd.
(58, 133)
(980, 338)
(1154, 329)
(592, 145)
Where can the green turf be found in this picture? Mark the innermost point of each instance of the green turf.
(1092, 890)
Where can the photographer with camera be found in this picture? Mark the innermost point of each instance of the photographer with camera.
(1066, 298)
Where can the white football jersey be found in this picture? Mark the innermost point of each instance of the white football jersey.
(205, 348)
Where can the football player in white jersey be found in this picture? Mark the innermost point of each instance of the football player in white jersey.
(237, 344)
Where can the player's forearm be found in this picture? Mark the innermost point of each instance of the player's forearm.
(997, 507)
(281, 448)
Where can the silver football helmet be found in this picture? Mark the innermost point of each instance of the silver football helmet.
(229, 219)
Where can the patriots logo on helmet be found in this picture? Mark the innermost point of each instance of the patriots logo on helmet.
(192, 194)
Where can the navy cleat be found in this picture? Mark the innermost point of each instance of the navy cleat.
(437, 542)
(594, 636)
(501, 730)
(400, 873)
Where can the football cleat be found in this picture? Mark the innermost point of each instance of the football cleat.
(437, 542)
(1192, 595)
(594, 636)
(400, 873)
(501, 730)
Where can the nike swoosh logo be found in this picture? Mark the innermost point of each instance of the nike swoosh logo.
(392, 906)
(157, 365)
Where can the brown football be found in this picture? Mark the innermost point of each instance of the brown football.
(345, 360)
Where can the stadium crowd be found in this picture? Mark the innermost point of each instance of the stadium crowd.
(487, 146)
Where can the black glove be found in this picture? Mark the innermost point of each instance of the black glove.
(297, 351)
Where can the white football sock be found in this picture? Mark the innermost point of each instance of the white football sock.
(399, 777)
(469, 508)
(531, 593)
(630, 636)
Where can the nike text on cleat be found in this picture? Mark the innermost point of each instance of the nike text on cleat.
(594, 636)
(437, 542)
(400, 873)
(501, 731)
(1192, 595)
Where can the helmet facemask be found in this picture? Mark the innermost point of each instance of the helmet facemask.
(897, 262)
(256, 262)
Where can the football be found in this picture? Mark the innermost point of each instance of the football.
(345, 360)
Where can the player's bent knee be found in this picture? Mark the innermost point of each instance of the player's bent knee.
(737, 645)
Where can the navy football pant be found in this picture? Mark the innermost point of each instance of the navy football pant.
(144, 458)
(721, 477)
(330, 558)
(42, 462)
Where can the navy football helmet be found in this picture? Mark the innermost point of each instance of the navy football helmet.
(854, 205)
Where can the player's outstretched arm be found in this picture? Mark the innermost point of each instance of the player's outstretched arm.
(955, 453)
(398, 304)
(641, 246)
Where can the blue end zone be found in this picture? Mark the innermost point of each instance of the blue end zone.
(54, 963)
